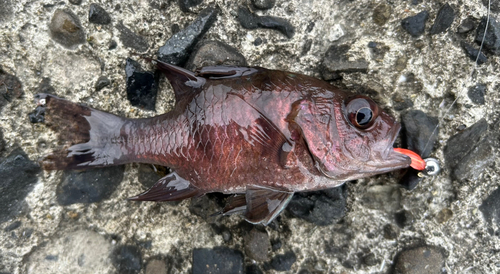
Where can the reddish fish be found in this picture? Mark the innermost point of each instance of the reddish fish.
(264, 134)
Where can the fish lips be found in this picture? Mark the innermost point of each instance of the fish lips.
(389, 159)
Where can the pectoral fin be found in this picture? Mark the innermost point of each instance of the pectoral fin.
(264, 204)
(169, 188)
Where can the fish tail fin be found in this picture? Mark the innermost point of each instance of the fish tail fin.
(86, 137)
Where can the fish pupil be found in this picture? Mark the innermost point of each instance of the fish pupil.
(364, 116)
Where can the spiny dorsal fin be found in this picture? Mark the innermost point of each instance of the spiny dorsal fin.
(182, 80)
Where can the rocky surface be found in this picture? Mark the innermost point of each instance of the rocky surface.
(448, 222)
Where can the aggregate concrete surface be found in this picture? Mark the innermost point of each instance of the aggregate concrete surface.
(382, 220)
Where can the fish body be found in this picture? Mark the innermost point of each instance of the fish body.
(262, 134)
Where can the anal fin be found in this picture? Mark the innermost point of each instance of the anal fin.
(169, 188)
(265, 204)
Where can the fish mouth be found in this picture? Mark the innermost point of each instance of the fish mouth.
(389, 159)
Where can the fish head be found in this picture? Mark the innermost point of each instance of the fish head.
(348, 136)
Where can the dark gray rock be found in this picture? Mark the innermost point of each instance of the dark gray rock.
(425, 259)
(400, 102)
(132, 40)
(156, 266)
(319, 207)
(415, 25)
(369, 259)
(142, 86)
(90, 186)
(98, 15)
(219, 260)
(206, 206)
(258, 41)
(257, 245)
(493, 4)
(127, 259)
(75, 2)
(45, 87)
(476, 94)
(390, 232)
(444, 19)
(263, 4)
(249, 20)
(15, 188)
(492, 38)
(283, 262)
(37, 115)
(490, 207)
(11, 88)
(253, 269)
(214, 53)
(473, 53)
(65, 29)
(177, 49)
(336, 61)
(102, 82)
(2, 143)
(418, 129)
(381, 14)
(5, 10)
(466, 25)
(186, 5)
(13, 226)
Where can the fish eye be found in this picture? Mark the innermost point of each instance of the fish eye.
(361, 112)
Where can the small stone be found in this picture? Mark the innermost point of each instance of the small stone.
(13, 226)
(425, 259)
(38, 115)
(310, 26)
(307, 47)
(186, 5)
(319, 207)
(249, 20)
(156, 266)
(444, 215)
(98, 15)
(15, 188)
(283, 262)
(65, 29)
(10, 88)
(219, 260)
(257, 245)
(336, 60)
(142, 86)
(75, 2)
(369, 260)
(253, 269)
(177, 49)
(90, 186)
(492, 38)
(473, 53)
(490, 207)
(101, 83)
(45, 87)
(404, 218)
(466, 25)
(127, 259)
(381, 14)
(415, 25)
(382, 197)
(258, 41)
(6, 10)
(476, 94)
(112, 45)
(214, 53)
(263, 4)
(444, 19)
(419, 131)
(131, 40)
(391, 232)
(400, 102)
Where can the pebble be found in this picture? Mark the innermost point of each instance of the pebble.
(15, 188)
(469, 152)
(490, 207)
(75, 2)
(5, 11)
(369, 259)
(186, 5)
(390, 232)
(466, 25)
(142, 86)
(37, 115)
(415, 25)
(425, 259)
(156, 266)
(89, 186)
(263, 4)
(177, 49)
(214, 53)
(249, 20)
(382, 197)
(13, 226)
(253, 269)
(472, 52)
(336, 60)
(400, 102)
(258, 41)
(476, 94)
(444, 19)
(11, 88)
(219, 260)
(492, 38)
(257, 245)
(381, 14)
(65, 29)
(132, 40)
(283, 262)
(98, 15)
(101, 83)
(127, 259)
(319, 207)
(45, 87)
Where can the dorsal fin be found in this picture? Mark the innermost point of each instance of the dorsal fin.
(182, 80)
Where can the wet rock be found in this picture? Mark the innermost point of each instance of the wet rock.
(101, 83)
(186, 5)
(336, 60)
(214, 53)
(400, 102)
(15, 188)
(177, 49)
(444, 19)
(65, 29)
(132, 40)
(217, 260)
(142, 86)
(319, 207)
(472, 52)
(156, 266)
(249, 20)
(263, 4)
(75, 2)
(90, 186)
(257, 245)
(425, 259)
(418, 128)
(469, 152)
(382, 197)
(466, 25)
(415, 25)
(492, 38)
(11, 88)
(476, 94)
(98, 15)
(37, 115)
(283, 262)
(490, 207)
(5, 10)
(381, 14)
(127, 259)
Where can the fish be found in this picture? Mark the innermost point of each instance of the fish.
(256, 133)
